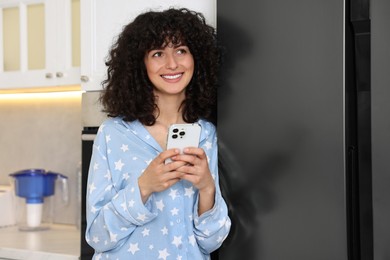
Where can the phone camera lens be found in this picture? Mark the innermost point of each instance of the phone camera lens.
(175, 130)
(174, 136)
(182, 133)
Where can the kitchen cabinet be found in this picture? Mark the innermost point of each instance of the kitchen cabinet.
(39, 43)
(103, 20)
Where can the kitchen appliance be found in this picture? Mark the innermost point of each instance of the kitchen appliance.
(7, 206)
(34, 189)
(304, 129)
(87, 137)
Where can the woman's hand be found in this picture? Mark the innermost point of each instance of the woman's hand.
(196, 170)
(159, 176)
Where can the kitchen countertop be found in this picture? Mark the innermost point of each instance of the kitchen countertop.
(60, 242)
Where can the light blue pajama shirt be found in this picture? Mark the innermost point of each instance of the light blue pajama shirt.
(167, 226)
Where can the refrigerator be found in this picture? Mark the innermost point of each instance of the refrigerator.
(304, 129)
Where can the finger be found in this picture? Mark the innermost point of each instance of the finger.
(189, 159)
(195, 151)
(173, 175)
(191, 178)
(174, 165)
(187, 170)
(167, 154)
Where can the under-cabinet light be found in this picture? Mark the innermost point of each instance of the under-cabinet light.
(41, 95)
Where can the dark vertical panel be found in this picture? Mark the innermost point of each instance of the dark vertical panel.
(358, 130)
(280, 124)
(380, 95)
(86, 251)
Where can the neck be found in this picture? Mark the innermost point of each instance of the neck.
(169, 111)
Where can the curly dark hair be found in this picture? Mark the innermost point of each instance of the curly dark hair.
(127, 90)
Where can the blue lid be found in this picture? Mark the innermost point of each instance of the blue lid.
(28, 172)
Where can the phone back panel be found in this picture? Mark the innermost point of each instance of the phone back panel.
(183, 135)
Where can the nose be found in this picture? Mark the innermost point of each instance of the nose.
(171, 62)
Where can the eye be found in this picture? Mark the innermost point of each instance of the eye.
(182, 50)
(156, 53)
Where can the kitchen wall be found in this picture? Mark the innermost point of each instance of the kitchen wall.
(43, 131)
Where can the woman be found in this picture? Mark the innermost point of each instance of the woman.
(161, 71)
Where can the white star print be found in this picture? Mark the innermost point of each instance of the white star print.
(133, 248)
(173, 194)
(95, 240)
(108, 187)
(164, 231)
(93, 209)
(91, 187)
(222, 222)
(123, 205)
(108, 138)
(124, 147)
(119, 164)
(207, 145)
(101, 128)
(145, 232)
(131, 203)
(148, 161)
(189, 191)
(125, 176)
(163, 254)
(160, 205)
(113, 237)
(95, 166)
(191, 240)
(179, 257)
(174, 211)
(141, 217)
(176, 241)
(108, 175)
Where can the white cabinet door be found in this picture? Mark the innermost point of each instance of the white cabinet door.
(62, 61)
(36, 44)
(103, 20)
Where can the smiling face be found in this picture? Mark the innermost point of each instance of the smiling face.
(170, 69)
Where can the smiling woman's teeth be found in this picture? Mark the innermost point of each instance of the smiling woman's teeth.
(171, 76)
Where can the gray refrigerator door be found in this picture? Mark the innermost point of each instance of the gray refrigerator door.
(280, 126)
(380, 93)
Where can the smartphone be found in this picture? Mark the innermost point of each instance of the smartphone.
(183, 135)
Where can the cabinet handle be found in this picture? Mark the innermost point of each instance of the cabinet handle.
(49, 75)
(59, 74)
(84, 78)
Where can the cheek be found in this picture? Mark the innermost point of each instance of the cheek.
(190, 66)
